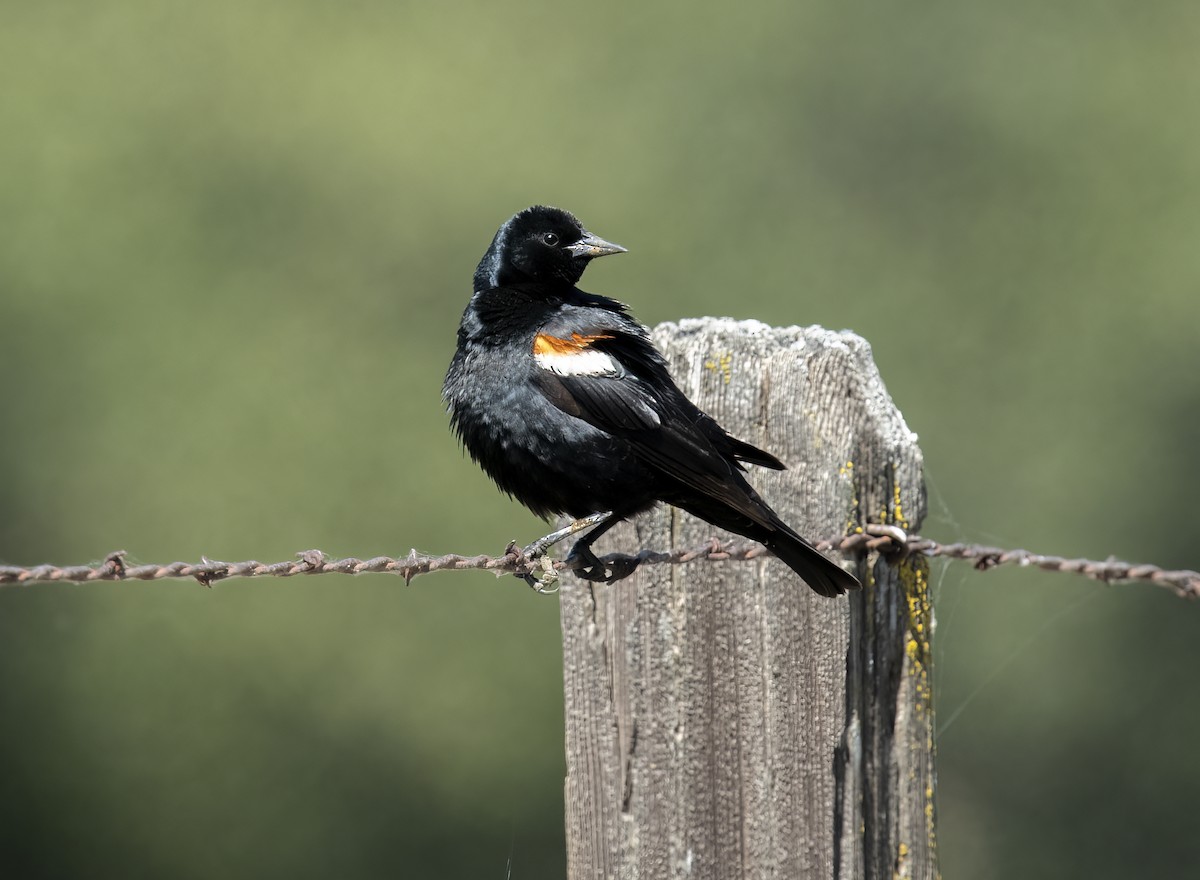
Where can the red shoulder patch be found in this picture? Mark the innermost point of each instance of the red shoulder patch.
(546, 344)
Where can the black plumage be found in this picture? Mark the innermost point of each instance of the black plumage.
(564, 401)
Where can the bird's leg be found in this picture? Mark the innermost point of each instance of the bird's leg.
(541, 545)
(582, 553)
(538, 548)
(582, 560)
(590, 567)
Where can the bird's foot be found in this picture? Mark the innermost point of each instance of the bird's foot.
(532, 560)
(531, 564)
(541, 545)
(546, 579)
(535, 569)
(590, 567)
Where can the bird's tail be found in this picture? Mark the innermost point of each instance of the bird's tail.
(820, 572)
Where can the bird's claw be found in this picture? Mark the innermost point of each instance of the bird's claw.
(590, 567)
(539, 573)
(535, 568)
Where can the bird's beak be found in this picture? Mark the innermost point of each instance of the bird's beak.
(593, 246)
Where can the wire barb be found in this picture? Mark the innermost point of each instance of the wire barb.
(889, 541)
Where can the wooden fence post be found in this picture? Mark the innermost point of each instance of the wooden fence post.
(723, 722)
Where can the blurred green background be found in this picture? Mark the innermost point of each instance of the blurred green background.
(235, 242)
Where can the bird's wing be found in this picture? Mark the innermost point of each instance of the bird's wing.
(615, 380)
(581, 378)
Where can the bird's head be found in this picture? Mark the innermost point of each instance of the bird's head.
(540, 244)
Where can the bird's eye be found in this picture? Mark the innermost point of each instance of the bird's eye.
(550, 238)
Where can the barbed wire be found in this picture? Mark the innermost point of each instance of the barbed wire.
(890, 541)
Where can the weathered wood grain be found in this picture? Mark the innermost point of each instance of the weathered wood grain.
(722, 720)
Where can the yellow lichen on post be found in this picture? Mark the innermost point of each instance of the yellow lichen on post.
(723, 364)
(897, 508)
(914, 577)
(901, 871)
(846, 473)
(931, 828)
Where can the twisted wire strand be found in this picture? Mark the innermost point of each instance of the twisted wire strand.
(889, 541)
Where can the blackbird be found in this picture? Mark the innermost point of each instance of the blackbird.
(564, 401)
